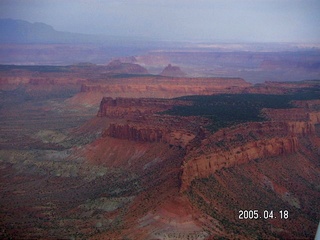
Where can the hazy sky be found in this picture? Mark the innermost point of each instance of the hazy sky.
(234, 20)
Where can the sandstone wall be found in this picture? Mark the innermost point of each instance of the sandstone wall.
(165, 87)
(290, 114)
(206, 164)
(314, 117)
(308, 104)
(244, 143)
(149, 134)
(121, 107)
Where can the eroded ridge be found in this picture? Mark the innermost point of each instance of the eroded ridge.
(240, 144)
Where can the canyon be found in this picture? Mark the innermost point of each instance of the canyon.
(118, 138)
(285, 134)
(101, 152)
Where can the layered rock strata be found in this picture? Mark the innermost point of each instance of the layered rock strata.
(251, 141)
(143, 124)
(164, 87)
(179, 138)
(205, 152)
(121, 107)
(206, 164)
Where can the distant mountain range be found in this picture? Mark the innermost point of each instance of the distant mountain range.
(39, 43)
(23, 32)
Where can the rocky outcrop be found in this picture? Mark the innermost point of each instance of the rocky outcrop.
(154, 87)
(301, 128)
(254, 131)
(290, 114)
(300, 120)
(163, 87)
(118, 67)
(121, 107)
(172, 71)
(149, 134)
(144, 125)
(244, 143)
(206, 164)
(314, 117)
(309, 104)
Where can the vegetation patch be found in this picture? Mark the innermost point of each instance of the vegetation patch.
(225, 110)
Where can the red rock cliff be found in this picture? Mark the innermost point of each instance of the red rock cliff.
(242, 144)
(121, 107)
(149, 134)
(206, 164)
(165, 87)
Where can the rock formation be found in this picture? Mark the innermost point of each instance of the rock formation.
(251, 141)
(133, 172)
(207, 164)
(156, 87)
(225, 148)
(172, 71)
(235, 154)
(118, 67)
(310, 104)
(121, 107)
(179, 138)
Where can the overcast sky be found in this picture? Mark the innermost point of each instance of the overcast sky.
(218, 20)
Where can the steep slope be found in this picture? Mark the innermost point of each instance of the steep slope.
(172, 71)
(155, 87)
(146, 168)
(268, 167)
(272, 165)
(151, 146)
(118, 67)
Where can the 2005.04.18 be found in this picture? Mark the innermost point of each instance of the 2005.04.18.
(254, 214)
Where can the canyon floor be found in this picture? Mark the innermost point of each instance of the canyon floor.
(89, 155)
